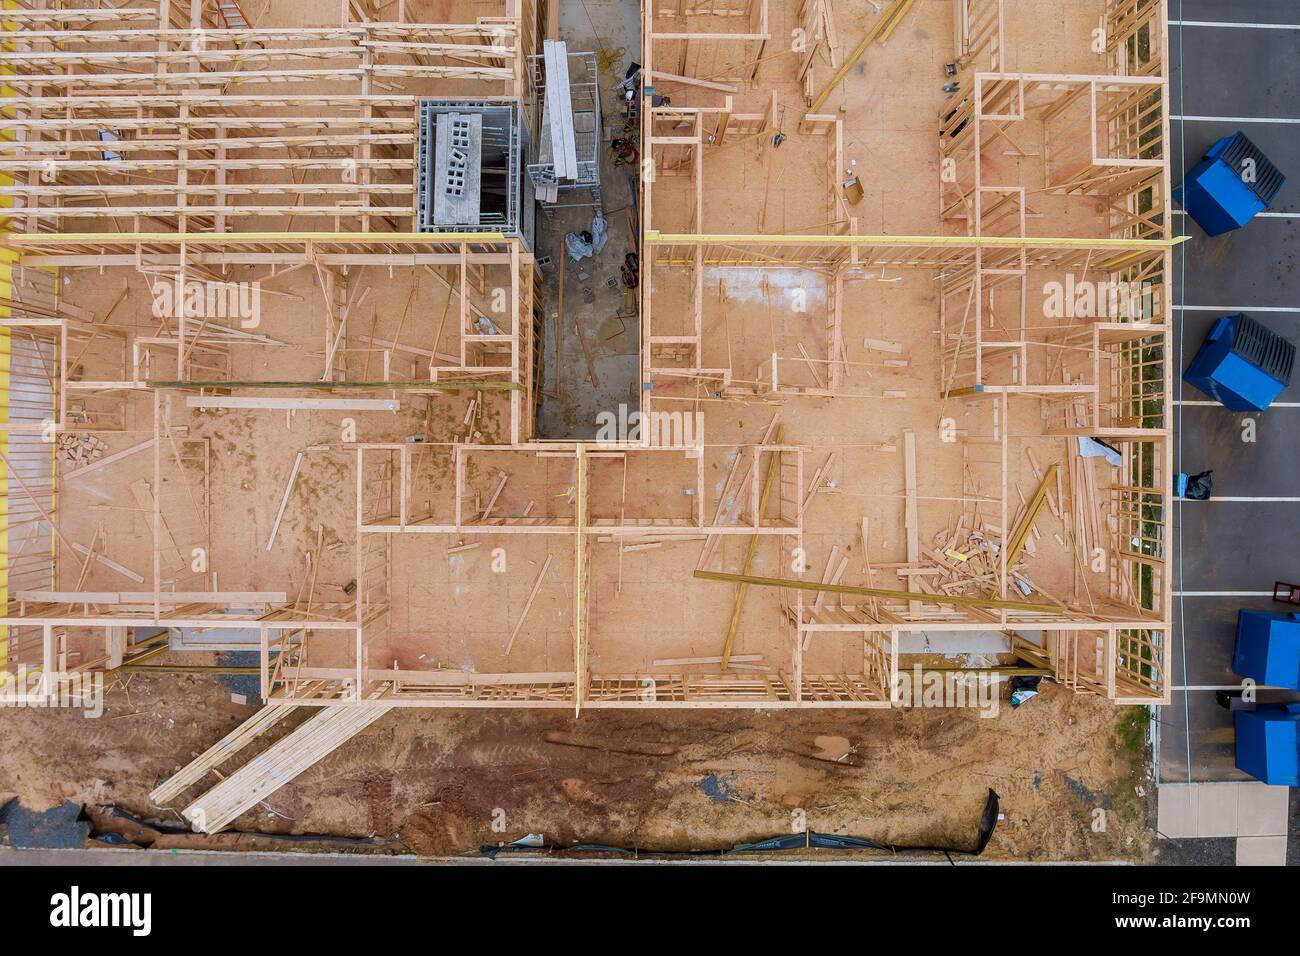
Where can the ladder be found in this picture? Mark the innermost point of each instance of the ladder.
(232, 15)
(233, 18)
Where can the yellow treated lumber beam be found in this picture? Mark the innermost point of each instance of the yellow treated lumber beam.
(1031, 514)
(879, 30)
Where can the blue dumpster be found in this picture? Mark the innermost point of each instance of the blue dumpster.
(1231, 183)
(1243, 365)
(1268, 648)
(1267, 747)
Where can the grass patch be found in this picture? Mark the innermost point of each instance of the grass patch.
(1131, 732)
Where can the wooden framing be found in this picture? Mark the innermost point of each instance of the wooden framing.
(212, 171)
(168, 120)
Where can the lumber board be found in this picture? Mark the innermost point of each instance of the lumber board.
(282, 762)
(687, 661)
(912, 519)
(284, 500)
(109, 460)
(144, 498)
(1032, 510)
(881, 29)
(220, 752)
(111, 565)
(166, 597)
(730, 641)
(294, 404)
(957, 600)
(537, 586)
(692, 81)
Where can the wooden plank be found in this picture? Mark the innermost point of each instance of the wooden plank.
(410, 349)
(1038, 473)
(496, 493)
(581, 331)
(111, 459)
(550, 114)
(1021, 534)
(144, 498)
(957, 600)
(294, 404)
(692, 81)
(687, 661)
(803, 354)
(560, 99)
(218, 753)
(911, 520)
(566, 108)
(818, 477)
(166, 597)
(284, 500)
(881, 28)
(882, 345)
(282, 762)
(111, 565)
(730, 641)
(732, 494)
(537, 586)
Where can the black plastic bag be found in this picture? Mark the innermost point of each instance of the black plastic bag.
(1200, 486)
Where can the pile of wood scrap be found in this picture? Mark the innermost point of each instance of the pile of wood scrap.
(964, 560)
(967, 559)
(77, 449)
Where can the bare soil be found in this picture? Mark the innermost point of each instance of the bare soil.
(436, 781)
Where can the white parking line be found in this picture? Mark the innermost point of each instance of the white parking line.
(1209, 404)
(1258, 215)
(1234, 25)
(1240, 498)
(1228, 309)
(1267, 594)
(1233, 119)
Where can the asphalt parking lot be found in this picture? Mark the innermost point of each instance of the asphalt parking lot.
(1234, 66)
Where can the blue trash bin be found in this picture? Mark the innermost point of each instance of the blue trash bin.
(1243, 365)
(1231, 184)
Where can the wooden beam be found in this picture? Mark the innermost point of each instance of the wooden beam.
(295, 404)
(692, 81)
(1035, 506)
(111, 565)
(139, 597)
(144, 498)
(687, 661)
(284, 500)
(111, 459)
(730, 641)
(537, 586)
(912, 518)
(957, 600)
(880, 30)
